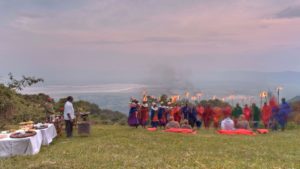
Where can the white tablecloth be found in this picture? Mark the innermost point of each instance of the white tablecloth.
(21, 146)
(48, 134)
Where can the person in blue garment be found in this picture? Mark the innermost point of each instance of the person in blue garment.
(192, 116)
(185, 111)
(162, 116)
(133, 113)
(154, 115)
(283, 113)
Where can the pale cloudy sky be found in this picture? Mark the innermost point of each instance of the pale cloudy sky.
(113, 39)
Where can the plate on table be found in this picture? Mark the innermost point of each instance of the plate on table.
(23, 134)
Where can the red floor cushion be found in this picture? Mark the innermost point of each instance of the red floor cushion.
(262, 131)
(151, 129)
(236, 132)
(179, 130)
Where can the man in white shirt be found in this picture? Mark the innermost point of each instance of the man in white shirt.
(69, 116)
(227, 123)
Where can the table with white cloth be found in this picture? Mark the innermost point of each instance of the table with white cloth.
(48, 134)
(21, 146)
(29, 145)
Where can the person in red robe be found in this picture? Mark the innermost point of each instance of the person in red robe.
(227, 111)
(144, 114)
(247, 112)
(207, 116)
(266, 115)
(177, 113)
(217, 113)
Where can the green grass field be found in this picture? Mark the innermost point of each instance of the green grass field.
(125, 147)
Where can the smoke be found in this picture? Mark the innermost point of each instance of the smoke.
(168, 79)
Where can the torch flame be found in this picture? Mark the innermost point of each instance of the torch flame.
(145, 99)
(263, 94)
(175, 98)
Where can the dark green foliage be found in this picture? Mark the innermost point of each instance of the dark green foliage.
(15, 107)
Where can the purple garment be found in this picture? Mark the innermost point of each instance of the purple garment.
(133, 119)
(284, 111)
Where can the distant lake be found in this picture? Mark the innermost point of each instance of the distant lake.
(116, 96)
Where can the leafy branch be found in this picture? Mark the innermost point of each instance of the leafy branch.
(24, 82)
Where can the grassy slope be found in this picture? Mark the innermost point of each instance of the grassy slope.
(124, 147)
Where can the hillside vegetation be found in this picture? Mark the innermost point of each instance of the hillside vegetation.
(15, 108)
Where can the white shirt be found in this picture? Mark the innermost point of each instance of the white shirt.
(227, 124)
(69, 109)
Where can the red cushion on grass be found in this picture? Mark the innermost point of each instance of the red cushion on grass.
(262, 131)
(227, 132)
(244, 132)
(237, 132)
(151, 129)
(179, 130)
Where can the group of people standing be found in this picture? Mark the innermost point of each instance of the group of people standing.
(272, 115)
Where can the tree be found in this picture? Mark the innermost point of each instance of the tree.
(24, 82)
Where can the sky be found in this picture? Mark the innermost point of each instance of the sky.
(128, 40)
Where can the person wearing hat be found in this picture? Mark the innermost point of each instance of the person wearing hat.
(49, 111)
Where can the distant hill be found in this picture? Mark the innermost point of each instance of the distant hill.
(295, 103)
(295, 99)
